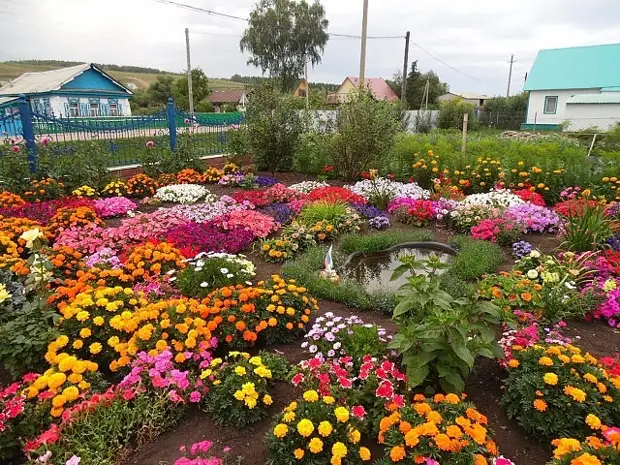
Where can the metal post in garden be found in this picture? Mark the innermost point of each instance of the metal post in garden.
(25, 113)
(172, 124)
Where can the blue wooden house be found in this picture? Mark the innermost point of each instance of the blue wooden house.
(79, 91)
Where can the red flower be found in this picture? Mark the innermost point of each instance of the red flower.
(335, 194)
(297, 379)
(385, 389)
(345, 383)
(359, 411)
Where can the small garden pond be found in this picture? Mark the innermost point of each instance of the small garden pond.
(374, 271)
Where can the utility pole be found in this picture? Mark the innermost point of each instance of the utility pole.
(512, 61)
(363, 51)
(189, 75)
(403, 92)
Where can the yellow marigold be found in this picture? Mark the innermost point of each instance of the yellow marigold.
(593, 421)
(342, 414)
(550, 378)
(299, 454)
(305, 427)
(325, 428)
(71, 393)
(576, 393)
(95, 348)
(545, 361)
(514, 363)
(585, 459)
(397, 453)
(354, 436)
(59, 401)
(329, 400)
(565, 446)
(56, 380)
(288, 417)
(85, 332)
(280, 430)
(540, 405)
(364, 454)
(564, 358)
(589, 377)
(315, 446)
(339, 450)
(311, 396)
(452, 399)
(577, 359)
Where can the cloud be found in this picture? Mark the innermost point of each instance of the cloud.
(475, 39)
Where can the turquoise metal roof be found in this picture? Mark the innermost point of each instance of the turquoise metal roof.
(587, 67)
(606, 97)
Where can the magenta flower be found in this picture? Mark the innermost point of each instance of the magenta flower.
(194, 397)
(46, 140)
(15, 148)
(150, 144)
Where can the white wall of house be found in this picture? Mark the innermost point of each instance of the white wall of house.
(59, 105)
(589, 115)
(536, 107)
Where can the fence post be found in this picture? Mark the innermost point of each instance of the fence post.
(28, 131)
(465, 121)
(172, 124)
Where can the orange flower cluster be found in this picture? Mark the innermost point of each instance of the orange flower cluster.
(13, 228)
(189, 176)
(436, 427)
(9, 253)
(272, 311)
(67, 217)
(66, 260)
(45, 189)
(213, 175)
(150, 259)
(141, 185)
(10, 200)
(166, 179)
(601, 447)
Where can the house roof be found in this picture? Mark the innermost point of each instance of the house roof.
(227, 96)
(379, 87)
(48, 81)
(469, 95)
(588, 67)
(605, 97)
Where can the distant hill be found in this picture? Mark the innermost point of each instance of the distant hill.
(140, 76)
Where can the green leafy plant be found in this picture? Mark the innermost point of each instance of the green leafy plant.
(589, 231)
(365, 133)
(439, 337)
(475, 258)
(238, 144)
(274, 127)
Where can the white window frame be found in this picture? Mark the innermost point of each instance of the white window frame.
(74, 109)
(548, 100)
(94, 106)
(113, 109)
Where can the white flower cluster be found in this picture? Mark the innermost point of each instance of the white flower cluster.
(385, 187)
(205, 212)
(500, 198)
(184, 193)
(306, 187)
(247, 267)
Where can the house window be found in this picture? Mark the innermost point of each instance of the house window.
(74, 108)
(551, 105)
(113, 109)
(94, 109)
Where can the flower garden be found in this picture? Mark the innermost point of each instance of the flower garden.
(188, 318)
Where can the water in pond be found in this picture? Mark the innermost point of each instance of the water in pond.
(374, 271)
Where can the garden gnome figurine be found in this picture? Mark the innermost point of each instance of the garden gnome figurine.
(329, 272)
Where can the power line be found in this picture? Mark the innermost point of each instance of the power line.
(446, 64)
(201, 10)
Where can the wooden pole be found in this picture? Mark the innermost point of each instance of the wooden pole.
(190, 91)
(364, 37)
(403, 91)
(465, 122)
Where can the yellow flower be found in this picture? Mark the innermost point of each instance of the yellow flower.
(585, 459)
(59, 401)
(565, 446)
(85, 332)
(71, 393)
(354, 436)
(342, 414)
(239, 395)
(339, 450)
(364, 454)
(589, 377)
(311, 396)
(551, 379)
(593, 421)
(299, 454)
(288, 417)
(315, 446)
(305, 427)
(250, 402)
(56, 380)
(280, 430)
(95, 348)
(267, 400)
(98, 321)
(545, 361)
(325, 428)
(576, 393)
(240, 371)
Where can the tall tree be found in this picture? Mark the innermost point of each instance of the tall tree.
(200, 89)
(416, 82)
(161, 90)
(283, 35)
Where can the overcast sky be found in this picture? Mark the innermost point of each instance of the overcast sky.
(474, 38)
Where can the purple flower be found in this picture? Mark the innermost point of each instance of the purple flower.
(379, 222)
(534, 218)
(367, 211)
(263, 181)
(281, 212)
(522, 249)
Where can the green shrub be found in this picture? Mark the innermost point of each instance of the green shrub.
(274, 128)
(475, 258)
(440, 337)
(451, 114)
(312, 153)
(366, 130)
(238, 144)
(586, 232)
